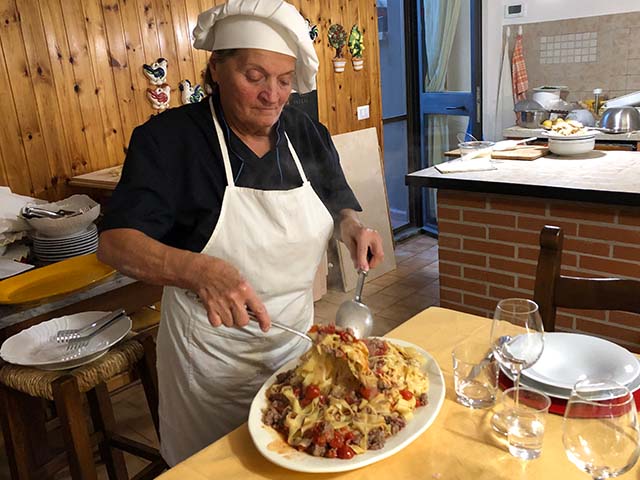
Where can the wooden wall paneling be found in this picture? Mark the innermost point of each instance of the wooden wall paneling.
(64, 81)
(183, 46)
(132, 26)
(168, 47)
(119, 62)
(48, 109)
(344, 80)
(15, 171)
(112, 126)
(24, 98)
(150, 42)
(84, 85)
(312, 11)
(199, 57)
(326, 76)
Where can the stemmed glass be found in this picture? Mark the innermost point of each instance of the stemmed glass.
(517, 336)
(600, 430)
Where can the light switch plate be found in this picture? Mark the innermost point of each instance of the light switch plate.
(363, 112)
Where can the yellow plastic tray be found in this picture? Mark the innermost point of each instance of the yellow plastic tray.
(56, 279)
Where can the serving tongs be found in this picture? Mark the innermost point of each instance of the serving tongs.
(37, 212)
(77, 338)
(252, 317)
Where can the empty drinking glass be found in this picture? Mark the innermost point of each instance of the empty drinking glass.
(475, 374)
(517, 338)
(600, 430)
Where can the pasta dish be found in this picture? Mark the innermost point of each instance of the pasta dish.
(346, 396)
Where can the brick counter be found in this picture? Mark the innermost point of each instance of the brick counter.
(488, 244)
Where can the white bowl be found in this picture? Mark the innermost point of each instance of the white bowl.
(571, 146)
(60, 227)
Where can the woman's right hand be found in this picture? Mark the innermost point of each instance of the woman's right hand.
(226, 295)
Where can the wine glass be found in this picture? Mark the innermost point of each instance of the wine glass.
(600, 429)
(517, 341)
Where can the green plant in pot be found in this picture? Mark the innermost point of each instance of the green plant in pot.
(338, 40)
(356, 47)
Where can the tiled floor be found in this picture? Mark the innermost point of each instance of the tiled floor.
(393, 298)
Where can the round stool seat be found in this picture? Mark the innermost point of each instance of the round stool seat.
(38, 383)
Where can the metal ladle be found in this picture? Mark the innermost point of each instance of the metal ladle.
(354, 314)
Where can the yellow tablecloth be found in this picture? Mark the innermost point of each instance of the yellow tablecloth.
(458, 445)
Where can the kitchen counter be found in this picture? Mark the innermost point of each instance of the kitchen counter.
(489, 224)
(611, 177)
(520, 132)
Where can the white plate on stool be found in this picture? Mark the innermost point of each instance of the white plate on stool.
(73, 363)
(569, 357)
(36, 346)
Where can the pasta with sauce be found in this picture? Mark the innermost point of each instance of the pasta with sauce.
(346, 396)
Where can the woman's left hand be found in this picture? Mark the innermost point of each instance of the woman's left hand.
(364, 244)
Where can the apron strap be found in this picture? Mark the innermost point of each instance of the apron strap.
(296, 159)
(223, 145)
(225, 153)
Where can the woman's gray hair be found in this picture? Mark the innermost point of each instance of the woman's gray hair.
(219, 56)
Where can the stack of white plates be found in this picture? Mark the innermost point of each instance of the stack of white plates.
(54, 249)
(36, 346)
(570, 357)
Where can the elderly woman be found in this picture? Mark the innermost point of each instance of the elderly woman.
(229, 204)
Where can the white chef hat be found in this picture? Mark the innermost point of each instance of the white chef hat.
(273, 25)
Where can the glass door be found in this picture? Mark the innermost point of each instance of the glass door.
(430, 69)
(391, 36)
(449, 62)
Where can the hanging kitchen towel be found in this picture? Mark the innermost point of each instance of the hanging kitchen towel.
(519, 77)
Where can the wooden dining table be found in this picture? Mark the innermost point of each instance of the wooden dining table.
(459, 444)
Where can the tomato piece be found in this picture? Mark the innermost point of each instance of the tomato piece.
(337, 441)
(313, 329)
(320, 439)
(368, 393)
(406, 394)
(345, 452)
(304, 402)
(311, 392)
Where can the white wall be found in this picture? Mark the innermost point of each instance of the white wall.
(536, 11)
(547, 10)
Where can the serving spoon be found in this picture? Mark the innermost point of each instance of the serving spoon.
(354, 314)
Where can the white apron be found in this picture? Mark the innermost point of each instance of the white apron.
(208, 376)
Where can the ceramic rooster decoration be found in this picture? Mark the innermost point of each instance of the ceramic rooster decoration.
(190, 94)
(156, 72)
(159, 96)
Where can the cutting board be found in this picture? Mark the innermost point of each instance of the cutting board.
(528, 152)
(106, 179)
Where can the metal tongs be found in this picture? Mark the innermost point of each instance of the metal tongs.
(79, 337)
(252, 317)
(37, 212)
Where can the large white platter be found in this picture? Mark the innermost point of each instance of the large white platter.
(275, 449)
(569, 357)
(36, 346)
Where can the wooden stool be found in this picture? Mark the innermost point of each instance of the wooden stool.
(24, 390)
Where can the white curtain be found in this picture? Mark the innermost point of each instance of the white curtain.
(440, 24)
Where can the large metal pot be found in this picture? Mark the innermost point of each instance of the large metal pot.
(620, 120)
(531, 118)
(530, 114)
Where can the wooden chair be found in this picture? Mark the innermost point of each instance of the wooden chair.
(553, 290)
(24, 391)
